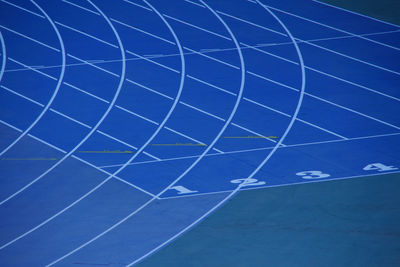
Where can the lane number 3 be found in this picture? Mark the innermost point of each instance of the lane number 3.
(312, 174)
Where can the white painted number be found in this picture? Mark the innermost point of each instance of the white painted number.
(247, 182)
(182, 190)
(312, 174)
(379, 167)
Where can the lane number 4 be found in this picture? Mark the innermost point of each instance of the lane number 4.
(379, 167)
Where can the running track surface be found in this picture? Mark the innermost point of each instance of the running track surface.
(124, 124)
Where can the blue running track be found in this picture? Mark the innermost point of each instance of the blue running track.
(125, 123)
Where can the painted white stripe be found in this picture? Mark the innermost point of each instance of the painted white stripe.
(81, 7)
(149, 89)
(3, 55)
(37, 71)
(86, 34)
(142, 31)
(197, 27)
(287, 115)
(152, 61)
(20, 95)
(202, 111)
(94, 66)
(334, 28)
(24, 9)
(136, 4)
(71, 119)
(30, 38)
(260, 149)
(52, 98)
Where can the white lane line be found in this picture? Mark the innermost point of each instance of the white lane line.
(231, 92)
(152, 61)
(142, 31)
(197, 27)
(289, 116)
(75, 202)
(354, 111)
(149, 89)
(350, 57)
(188, 137)
(187, 170)
(47, 143)
(255, 133)
(324, 48)
(11, 126)
(24, 9)
(32, 69)
(334, 28)
(130, 112)
(70, 118)
(272, 81)
(55, 92)
(202, 111)
(259, 149)
(262, 77)
(280, 185)
(59, 23)
(257, 169)
(137, 115)
(31, 39)
(20, 95)
(86, 93)
(194, 3)
(245, 46)
(188, 76)
(330, 102)
(94, 66)
(81, 123)
(321, 72)
(251, 23)
(243, 76)
(212, 58)
(3, 55)
(136, 4)
(210, 85)
(81, 7)
(355, 13)
(123, 71)
(150, 139)
(115, 177)
(86, 34)
(92, 131)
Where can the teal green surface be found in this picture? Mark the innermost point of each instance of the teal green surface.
(387, 10)
(338, 223)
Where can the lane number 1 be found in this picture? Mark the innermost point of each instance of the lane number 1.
(181, 190)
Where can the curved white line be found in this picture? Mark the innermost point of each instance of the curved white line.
(121, 81)
(4, 53)
(264, 161)
(227, 122)
(59, 82)
(159, 128)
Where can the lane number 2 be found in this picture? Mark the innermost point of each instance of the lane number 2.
(247, 182)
